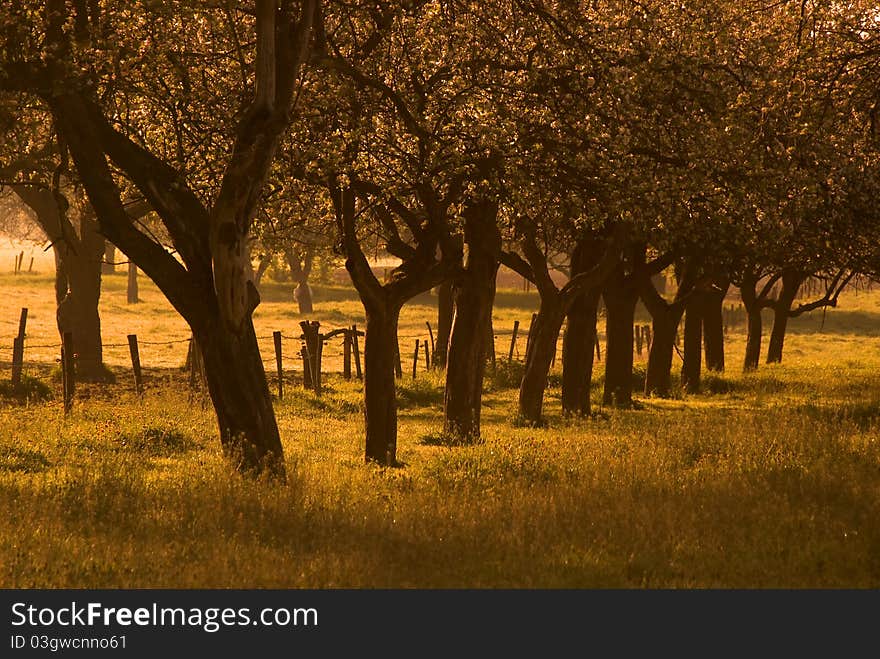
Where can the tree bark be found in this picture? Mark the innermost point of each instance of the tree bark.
(380, 395)
(693, 343)
(791, 283)
(658, 376)
(713, 325)
(620, 296)
(578, 343)
(445, 312)
(542, 346)
(240, 394)
(474, 293)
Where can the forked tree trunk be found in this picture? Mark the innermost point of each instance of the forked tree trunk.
(542, 347)
(445, 311)
(300, 262)
(578, 345)
(658, 376)
(791, 283)
(240, 394)
(713, 326)
(474, 293)
(620, 297)
(380, 396)
(78, 262)
(693, 344)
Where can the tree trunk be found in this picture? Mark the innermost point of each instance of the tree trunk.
(474, 294)
(108, 265)
(380, 396)
(300, 263)
(791, 283)
(713, 326)
(693, 344)
(749, 296)
(78, 264)
(445, 311)
(240, 394)
(131, 293)
(753, 339)
(542, 346)
(78, 313)
(303, 296)
(620, 298)
(577, 353)
(658, 377)
(262, 267)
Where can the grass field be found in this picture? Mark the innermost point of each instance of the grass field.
(769, 480)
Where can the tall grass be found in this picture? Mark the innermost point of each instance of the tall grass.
(681, 494)
(769, 480)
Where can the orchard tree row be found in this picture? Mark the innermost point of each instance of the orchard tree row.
(730, 143)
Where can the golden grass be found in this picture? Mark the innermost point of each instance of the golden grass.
(775, 483)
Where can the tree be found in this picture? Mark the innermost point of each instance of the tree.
(210, 283)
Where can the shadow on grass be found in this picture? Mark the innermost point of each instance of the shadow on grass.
(22, 460)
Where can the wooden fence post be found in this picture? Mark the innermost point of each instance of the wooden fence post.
(416, 359)
(598, 348)
(649, 338)
(346, 355)
(431, 336)
(18, 348)
(136, 363)
(513, 340)
(357, 352)
(427, 355)
(638, 337)
(316, 373)
(307, 369)
(68, 371)
(398, 369)
(276, 336)
(314, 347)
(31, 265)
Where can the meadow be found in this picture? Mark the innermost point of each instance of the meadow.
(765, 480)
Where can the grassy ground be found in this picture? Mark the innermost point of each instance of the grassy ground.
(767, 480)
